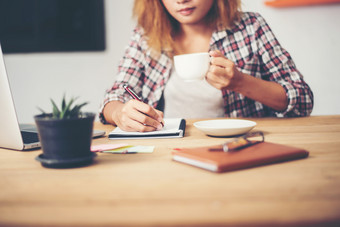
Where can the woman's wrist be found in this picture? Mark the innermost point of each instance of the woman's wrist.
(240, 84)
(268, 93)
(110, 111)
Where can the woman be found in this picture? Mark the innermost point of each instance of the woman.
(250, 74)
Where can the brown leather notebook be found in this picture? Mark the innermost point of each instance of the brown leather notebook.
(255, 155)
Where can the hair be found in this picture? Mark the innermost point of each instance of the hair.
(160, 27)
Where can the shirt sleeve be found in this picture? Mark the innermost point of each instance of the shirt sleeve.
(278, 66)
(130, 71)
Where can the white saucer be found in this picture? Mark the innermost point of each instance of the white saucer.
(225, 127)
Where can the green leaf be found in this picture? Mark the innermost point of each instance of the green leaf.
(63, 103)
(75, 112)
(56, 111)
(66, 110)
(41, 110)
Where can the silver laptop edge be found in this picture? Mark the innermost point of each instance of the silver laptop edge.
(10, 135)
(10, 132)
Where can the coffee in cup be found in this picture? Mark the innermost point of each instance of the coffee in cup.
(192, 66)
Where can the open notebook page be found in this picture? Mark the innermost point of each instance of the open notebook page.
(173, 127)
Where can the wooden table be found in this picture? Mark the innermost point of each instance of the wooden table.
(152, 190)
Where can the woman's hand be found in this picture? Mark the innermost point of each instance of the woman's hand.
(223, 73)
(133, 116)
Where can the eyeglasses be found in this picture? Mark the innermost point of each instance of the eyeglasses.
(246, 140)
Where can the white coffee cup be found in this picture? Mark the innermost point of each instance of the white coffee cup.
(191, 67)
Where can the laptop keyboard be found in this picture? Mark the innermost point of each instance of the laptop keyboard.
(30, 137)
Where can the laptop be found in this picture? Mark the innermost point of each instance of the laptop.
(12, 134)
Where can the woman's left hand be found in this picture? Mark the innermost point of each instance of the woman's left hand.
(223, 73)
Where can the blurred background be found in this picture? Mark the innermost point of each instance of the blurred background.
(54, 47)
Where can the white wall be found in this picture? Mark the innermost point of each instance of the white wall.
(310, 34)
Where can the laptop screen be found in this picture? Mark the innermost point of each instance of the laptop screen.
(10, 135)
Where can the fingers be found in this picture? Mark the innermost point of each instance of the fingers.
(138, 116)
(161, 114)
(216, 53)
(222, 68)
(222, 71)
(219, 60)
(149, 111)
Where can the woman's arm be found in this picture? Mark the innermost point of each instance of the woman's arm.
(117, 107)
(223, 74)
(272, 79)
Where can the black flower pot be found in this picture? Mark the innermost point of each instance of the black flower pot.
(66, 143)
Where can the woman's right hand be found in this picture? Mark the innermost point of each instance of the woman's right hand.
(133, 116)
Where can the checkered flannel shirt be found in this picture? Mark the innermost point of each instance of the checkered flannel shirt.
(251, 45)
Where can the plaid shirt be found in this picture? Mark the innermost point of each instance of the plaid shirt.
(251, 45)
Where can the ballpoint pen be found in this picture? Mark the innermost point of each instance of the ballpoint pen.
(241, 142)
(132, 93)
(135, 96)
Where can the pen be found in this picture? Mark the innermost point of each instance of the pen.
(132, 93)
(135, 96)
(241, 142)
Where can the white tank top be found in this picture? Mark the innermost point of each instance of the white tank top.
(191, 99)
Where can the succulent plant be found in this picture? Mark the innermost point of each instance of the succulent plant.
(67, 109)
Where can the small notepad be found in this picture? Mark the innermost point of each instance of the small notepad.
(263, 153)
(173, 128)
(105, 147)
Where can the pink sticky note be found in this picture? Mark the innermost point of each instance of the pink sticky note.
(105, 147)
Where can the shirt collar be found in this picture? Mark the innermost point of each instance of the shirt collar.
(222, 33)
